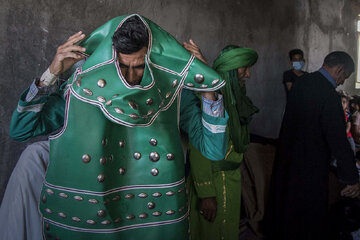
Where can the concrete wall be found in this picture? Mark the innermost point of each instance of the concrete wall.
(32, 29)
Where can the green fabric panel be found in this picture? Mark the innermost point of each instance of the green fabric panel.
(228, 196)
(201, 172)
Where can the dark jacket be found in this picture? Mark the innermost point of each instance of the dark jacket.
(312, 131)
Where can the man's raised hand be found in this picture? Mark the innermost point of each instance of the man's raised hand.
(66, 55)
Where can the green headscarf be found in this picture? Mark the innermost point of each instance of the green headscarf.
(237, 104)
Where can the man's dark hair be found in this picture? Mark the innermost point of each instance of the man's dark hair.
(339, 58)
(294, 52)
(131, 36)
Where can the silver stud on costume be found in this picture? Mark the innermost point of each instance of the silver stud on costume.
(203, 86)
(61, 214)
(134, 116)
(170, 156)
(129, 196)
(86, 158)
(181, 209)
(91, 222)
(87, 92)
(111, 157)
(214, 82)
(151, 112)
(154, 156)
(170, 193)
(199, 78)
(118, 110)
(104, 142)
(157, 194)
(76, 219)
(130, 217)
(116, 198)
(101, 83)
(78, 198)
(105, 222)
(137, 155)
(63, 195)
(93, 201)
(121, 171)
(133, 105)
(154, 171)
(143, 215)
(180, 190)
(121, 143)
(108, 103)
(142, 195)
(170, 212)
(48, 210)
(101, 213)
(149, 101)
(43, 199)
(156, 214)
(168, 94)
(153, 142)
(101, 177)
(102, 160)
(174, 83)
(151, 205)
(78, 82)
(101, 99)
(117, 220)
(115, 95)
(49, 191)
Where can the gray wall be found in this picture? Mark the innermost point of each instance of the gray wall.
(32, 29)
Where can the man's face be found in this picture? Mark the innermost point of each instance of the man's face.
(132, 66)
(340, 75)
(243, 72)
(296, 58)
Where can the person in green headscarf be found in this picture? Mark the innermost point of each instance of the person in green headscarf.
(215, 187)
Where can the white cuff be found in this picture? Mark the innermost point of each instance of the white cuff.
(48, 78)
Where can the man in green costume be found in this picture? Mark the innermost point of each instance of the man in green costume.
(116, 166)
(215, 187)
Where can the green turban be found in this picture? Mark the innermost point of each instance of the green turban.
(237, 104)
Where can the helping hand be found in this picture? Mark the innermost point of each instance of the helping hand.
(65, 55)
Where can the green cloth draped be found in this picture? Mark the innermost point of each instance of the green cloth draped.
(239, 107)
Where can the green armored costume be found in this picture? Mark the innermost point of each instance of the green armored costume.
(222, 179)
(117, 167)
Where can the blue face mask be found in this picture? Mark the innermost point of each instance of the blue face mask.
(298, 65)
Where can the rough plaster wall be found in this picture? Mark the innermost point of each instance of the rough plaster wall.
(333, 29)
(31, 30)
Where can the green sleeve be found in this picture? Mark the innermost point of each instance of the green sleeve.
(201, 173)
(38, 117)
(205, 132)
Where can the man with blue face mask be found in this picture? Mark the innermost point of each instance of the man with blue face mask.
(297, 63)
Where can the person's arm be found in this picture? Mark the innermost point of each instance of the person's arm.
(206, 132)
(41, 107)
(37, 114)
(334, 130)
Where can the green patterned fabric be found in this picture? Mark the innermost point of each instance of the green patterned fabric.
(116, 167)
